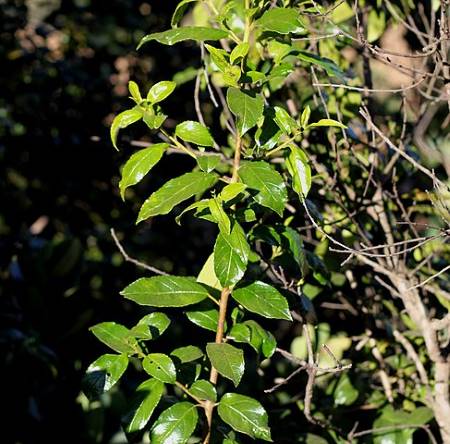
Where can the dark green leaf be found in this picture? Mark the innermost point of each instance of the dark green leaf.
(328, 65)
(103, 373)
(174, 192)
(245, 415)
(281, 21)
(161, 367)
(250, 332)
(151, 326)
(187, 354)
(261, 176)
(122, 120)
(194, 132)
(116, 336)
(204, 390)
(175, 425)
(161, 91)
(197, 33)
(345, 393)
(139, 164)
(179, 12)
(227, 360)
(246, 106)
(263, 299)
(231, 256)
(144, 402)
(206, 318)
(165, 291)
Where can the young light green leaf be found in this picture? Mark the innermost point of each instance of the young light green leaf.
(239, 51)
(204, 390)
(174, 192)
(232, 190)
(172, 36)
(152, 120)
(116, 336)
(187, 354)
(262, 177)
(122, 120)
(151, 326)
(327, 122)
(231, 256)
(145, 400)
(263, 299)
(179, 12)
(165, 291)
(227, 360)
(194, 132)
(246, 106)
(161, 91)
(161, 367)
(298, 166)
(284, 120)
(281, 21)
(218, 57)
(134, 91)
(245, 415)
(208, 162)
(139, 164)
(175, 425)
(207, 274)
(219, 215)
(103, 373)
(306, 114)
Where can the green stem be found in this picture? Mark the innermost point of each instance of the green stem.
(178, 144)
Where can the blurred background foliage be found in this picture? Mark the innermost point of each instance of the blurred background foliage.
(61, 84)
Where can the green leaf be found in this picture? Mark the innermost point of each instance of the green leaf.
(295, 247)
(172, 36)
(246, 106)
(145, 400)
(161, 91)
(328, 65)
(345, 393)
(165, 291)
(376, 25)
(306, 114)
(281, 21)
(194, 132)
(208, 162)
(227, 360)
(231, 256)
(103, 373)
(232, 190)
(115, 336)
(207, 274)
(151, 326)
(250, 332)
(161, 367)
(219, 216)
(205, 317)
(134, 91)
(175, 425)
(218, 57)
(179, 12)
(245, 415)
(139, 164)
(263, 299)
(152, 120)
(187, 354)
(174, 192)
(239, 51)
(262, 177)
(198, 206)
(298, 166)
(327, 122)
(122, 120)
(204, 390)
(284, 120)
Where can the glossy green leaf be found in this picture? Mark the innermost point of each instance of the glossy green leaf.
(263, 299)
(151, 326)
(208, 162)
(115, 336)
(281, 21)
(231, 256)
(161, 91)
(172, 36)
(284, 120)
(227, 360)
(327, 122)
(134, 91)
(161, 367)
(328, 65)
(245, 415)
(232, 190)
(204, 390)
(198, 206)
(219, 216)
(179, 12)
(206, 318)
(146, 398)
(239, 51)
(139, 164)
(188, 353)
(174, 192)
(246, 106)
(103, 373)
(298, 166)
(165, 291)
(295, 247)
(175, 425)
(122, 120)
(152, 120)
(270, 187)
(250, 332)
(194, 132)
